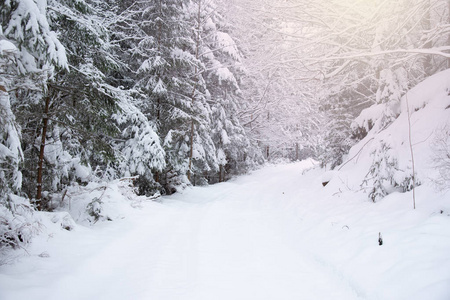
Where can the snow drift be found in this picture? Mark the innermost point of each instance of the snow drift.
(381, 163)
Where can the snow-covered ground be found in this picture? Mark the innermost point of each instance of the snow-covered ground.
(274, 234)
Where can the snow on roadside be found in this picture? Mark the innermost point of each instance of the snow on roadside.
(273, 234)
(382, 159)
(412, 262)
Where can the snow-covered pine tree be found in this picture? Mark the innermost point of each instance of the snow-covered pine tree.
(28, 49)
(222, 67)
(336, 132)
(101, 129)
(79, 132)
(156, 37)
(10, 140)
(25, 23)
(142, 152)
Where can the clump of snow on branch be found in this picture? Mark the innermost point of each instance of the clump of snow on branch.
(142, 150)
(228, 45)
(29, 17)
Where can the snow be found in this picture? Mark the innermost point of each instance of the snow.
(10, 145)
(10, 133)
(198, 151)
(30, 16)
(210, 25)
(7, 47)
(368, 116)
(434, 88)
(273, 234)
(160, 88)
(228, 45)
(429, 115)
(224, 74)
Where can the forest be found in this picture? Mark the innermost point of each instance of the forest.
(168, 94)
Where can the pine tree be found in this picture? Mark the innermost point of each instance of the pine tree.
(159, 50)
(221, 75)
(28, 52)
(25, 24)
(10, 140)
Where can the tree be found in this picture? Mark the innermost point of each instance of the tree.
(28, 49)
(221, 73)
(10, 146)
(25, 23)
(348, 45)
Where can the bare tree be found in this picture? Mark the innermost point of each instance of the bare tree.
(329, 49)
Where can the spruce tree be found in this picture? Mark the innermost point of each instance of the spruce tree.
(223, 69)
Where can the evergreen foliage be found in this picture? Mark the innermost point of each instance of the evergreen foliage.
(98, 90)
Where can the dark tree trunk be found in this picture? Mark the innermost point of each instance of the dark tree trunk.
(156, 176)
(39, 203)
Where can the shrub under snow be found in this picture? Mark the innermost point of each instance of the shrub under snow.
(18, 223)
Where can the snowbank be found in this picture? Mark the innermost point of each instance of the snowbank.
(382, 162)
(76, 206)
(103, 201)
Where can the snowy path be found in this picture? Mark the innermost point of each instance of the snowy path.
(246, 239)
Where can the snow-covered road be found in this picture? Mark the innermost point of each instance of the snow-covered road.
(270, 235)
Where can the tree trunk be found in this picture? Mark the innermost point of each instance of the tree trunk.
(156, 177)
(412, 154)
(39, 203)
(191, 150)
(220, 173)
